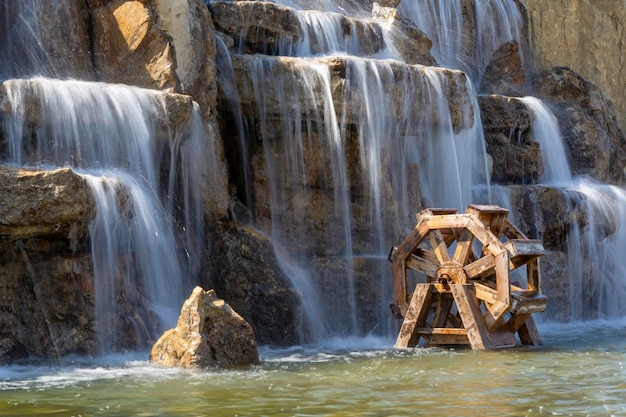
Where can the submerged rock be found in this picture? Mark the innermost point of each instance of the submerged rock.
(209, 333)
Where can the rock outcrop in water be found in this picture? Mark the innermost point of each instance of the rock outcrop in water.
(209, 333)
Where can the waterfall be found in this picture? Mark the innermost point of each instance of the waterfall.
(594, 265)
(119, 138)
(445, 23)
(321, 142)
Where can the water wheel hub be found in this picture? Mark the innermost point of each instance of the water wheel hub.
(451, 272)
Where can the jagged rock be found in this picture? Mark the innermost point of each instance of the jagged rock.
(547, 213)
(505, 74)
(250, 279)
(506, 124)
(411, 42)
(387, 3)
(209, 333)
(47, 291)
(130, 48)
(46, 301)
(596, 144)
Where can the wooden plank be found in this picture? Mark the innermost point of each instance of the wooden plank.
(503, 280)
(512, 232)
(443, 310)
(516, 321)
(448, 339)
(523, 251)
(471, 316)
(493, 317)
(530, 303)
(528, 333)
(533, 275)
(491, 244)
(439, 246)
(418, 263)
(399, 258)
(464, 246)
(442, 330)
(448, 222)
(415, 316)
(485, 293)
(400, 305)
(481, 268)
(412, 241)
(503, 340)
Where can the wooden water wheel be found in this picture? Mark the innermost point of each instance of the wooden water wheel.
(468, 297)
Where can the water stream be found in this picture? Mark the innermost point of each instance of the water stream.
(580, 371)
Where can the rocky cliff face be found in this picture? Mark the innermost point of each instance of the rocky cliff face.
(587, 36)
(283, 102)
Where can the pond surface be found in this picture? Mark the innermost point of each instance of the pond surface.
(579, 371)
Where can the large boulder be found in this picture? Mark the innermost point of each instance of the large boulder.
(269, 28)
(33, 43)
(586, 36)
(275, 78)
(257, 26)
(209, 333)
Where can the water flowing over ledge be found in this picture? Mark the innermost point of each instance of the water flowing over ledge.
(337, 124)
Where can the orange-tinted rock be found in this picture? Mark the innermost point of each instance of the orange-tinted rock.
(209, 333)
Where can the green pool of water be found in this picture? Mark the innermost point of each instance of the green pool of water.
(579, 371)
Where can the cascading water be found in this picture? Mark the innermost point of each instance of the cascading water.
(443, 21)
(592, 248)
(359, 136)
(114, 136)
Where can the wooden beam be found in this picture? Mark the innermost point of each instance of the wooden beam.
(533, 275)
(503, 280)
(421, 263)
(439, 246)
(464, 246)
(528, 333)
(415, 316)
(472, 317)
(481, 268)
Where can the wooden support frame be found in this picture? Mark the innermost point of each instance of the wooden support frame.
(468, 297)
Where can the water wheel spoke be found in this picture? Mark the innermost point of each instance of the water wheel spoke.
(439, 246)
(464, 247)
